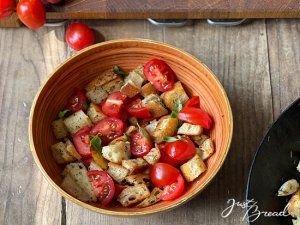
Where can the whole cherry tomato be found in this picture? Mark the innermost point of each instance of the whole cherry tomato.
(32, 13)
(163, 174)
(160, 74)
(77, 101)
(79, 36)
(6, 8)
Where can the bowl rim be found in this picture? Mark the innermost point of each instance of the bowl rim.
(199, 189)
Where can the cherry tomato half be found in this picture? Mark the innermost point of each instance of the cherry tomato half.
(82, 142)
(136, 108)
(103, 186)
(108, 129)
(160, 74)
(179, 151)
(32, 13)
(6, 8)
(195, 116)
(87, 161)
(77, 101)
(79, 36)
(163, 174)
(114, 104)
(193, 102)
(139, 144)
(173, 190)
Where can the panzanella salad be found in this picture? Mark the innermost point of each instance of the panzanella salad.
(135, 138)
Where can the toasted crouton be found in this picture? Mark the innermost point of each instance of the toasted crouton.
(133, 194)
(190, 129)
(193, 168)
(294, 205)
(59, 129)
(130, 130)
(71, 149)
(134, 166)
(130, 89)
(102, 79)
(118, 139)
(153, 156)
(115, 153)
(296, 221)
(76, 121)
(154, 104)
(152, 199)
(206, 149)
(99, 159)
(199, 139)
(148, 89)
(139, 70)
(170, 98)
(96, 95)
(117, 172)
(94, 113)
(60, 153)
(288, 188)
(165, 127)
(138, 179)
(78, 173)
(151, 127)
(94, 166)
(114, 85)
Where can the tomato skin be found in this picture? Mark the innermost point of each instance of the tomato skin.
(87, 161)
(4, 8)
(81, 141)
(136, 108)
(163, 174)
(195, 116)
(32, 13)
(79, 36)
(114, 104)
(103, 186)
(77, 101)
(108, 129)
(173, 190)
(193, 102)
(119, 188)
(178, 152)
(160, 74)
(140, 145)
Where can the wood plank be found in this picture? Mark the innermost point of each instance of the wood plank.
(284, 51)
(26, 59)
(189, 9)
(239, 58)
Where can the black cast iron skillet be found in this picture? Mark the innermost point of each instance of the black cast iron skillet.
(274, 163)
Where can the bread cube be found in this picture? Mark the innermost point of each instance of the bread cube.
(288, 188)
(99, 159)
(94, 166)
(138, 179)
(76, 121)
(165, 127)
(133, 194)
(96, 95)
(151, 127)
(152, 199)
(153, 156)
(206, 149)
(71, 149)
(193, 168)
(190, 129)
(113, 85)
(59, 129)
(148, 89)
(199, 139)
(60, 153)
(102, 79)
(294, 205)
(130, 89)
(134, 166)
(155, 106)
(117, 172)
(171, 98)
(115, 152)
(94, 113)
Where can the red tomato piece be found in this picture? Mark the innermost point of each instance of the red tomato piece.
(136, 108)
(82, 142)
(160, 74)
(103, 186)
(108, 129)
(114, 104)
(77, 101)
(178, 152)
(118, 189)
(87, 161)
(79, 36)
(173, 190)
(163, 174)
(195, 116)
(32, 13)
(193, 102)
(139, 144)
(6, 8)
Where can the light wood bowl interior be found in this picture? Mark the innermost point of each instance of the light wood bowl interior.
(85, 65)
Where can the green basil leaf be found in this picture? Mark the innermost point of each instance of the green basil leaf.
(85, 105)
(177, 109)
(181, 138)
(62, 114)
(143, 132)
(118, 71)
(95, 142)
(127, 137)
(169, 139)
(174, 114)
(179, 124)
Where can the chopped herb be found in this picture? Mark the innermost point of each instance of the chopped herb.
(179, 124)
(174, 114)
(169, 139)
(143, 132)
(62, 114)
(177, 109)
(95, 142)
(85, 105)
(118, 71)
(181, 138)
(127, 137)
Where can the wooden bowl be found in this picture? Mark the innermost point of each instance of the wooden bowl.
(85, 65)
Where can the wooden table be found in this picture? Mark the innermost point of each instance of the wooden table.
(258, 64)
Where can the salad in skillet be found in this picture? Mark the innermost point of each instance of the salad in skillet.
(135, 138)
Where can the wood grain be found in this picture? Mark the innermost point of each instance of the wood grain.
(26, 59)
(189, 9)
